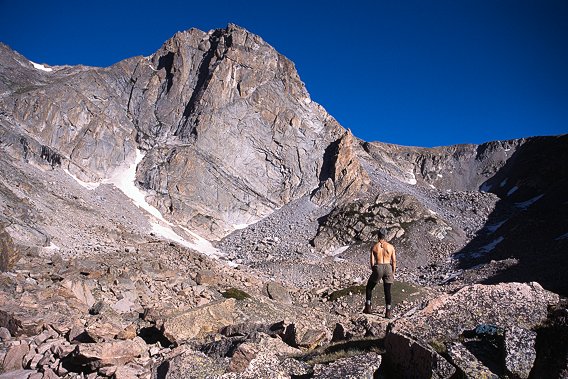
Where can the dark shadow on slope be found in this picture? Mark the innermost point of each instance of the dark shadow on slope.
(530, 222)
(329, 159)
(167, 62)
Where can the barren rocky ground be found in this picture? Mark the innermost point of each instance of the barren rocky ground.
(194, 214)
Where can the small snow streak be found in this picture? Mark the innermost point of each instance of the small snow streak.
(512, 190)
(493, 228)
(528, 203)
(562, 237)
(485, 187)
(490, 246)
(339, 250)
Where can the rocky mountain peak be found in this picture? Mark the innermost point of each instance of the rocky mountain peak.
(115, 183)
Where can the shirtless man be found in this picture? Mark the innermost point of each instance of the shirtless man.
(383, 265)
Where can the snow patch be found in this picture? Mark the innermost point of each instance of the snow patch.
(88, 185)
(562, 237)
(528, 203)
(485, 187)
(493, 228)
(339, 250)
(239, 226)
(412, 179)
(431, 186)
(512, 190)
(53, 246)
(41, 67)
(503, 183)
(490, 246)
(439, 175)
(124, 180)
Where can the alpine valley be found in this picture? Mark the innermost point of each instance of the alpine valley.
(194, 214)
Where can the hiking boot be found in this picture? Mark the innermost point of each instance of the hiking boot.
(388, 313)
(367, 309)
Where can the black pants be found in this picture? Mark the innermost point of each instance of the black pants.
(372, 282)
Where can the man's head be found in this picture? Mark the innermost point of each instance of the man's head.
(381, 234)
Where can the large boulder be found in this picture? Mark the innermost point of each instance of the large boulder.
(415, 360)
(115, 353)
(199, 321)
(496, 318)
(364, 366)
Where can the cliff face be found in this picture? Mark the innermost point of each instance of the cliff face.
(227, 129)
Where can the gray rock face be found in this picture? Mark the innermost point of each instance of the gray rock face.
(458, 167)
(8, 252)
(228, 129)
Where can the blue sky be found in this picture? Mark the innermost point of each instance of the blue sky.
(423, 73)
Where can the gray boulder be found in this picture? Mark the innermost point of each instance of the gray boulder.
(362, 366)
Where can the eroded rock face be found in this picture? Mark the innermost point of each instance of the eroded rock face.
(232, 135)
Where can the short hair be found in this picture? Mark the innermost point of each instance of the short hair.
(381, 234)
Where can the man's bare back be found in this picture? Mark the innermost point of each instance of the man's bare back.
(383, 253)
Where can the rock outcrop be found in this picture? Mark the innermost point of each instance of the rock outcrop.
(497, 322)
(342, 177)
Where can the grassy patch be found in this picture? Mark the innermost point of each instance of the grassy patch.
(346, 292)
(235, 293)
(400, 291)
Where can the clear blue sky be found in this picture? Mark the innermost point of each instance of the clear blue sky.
(414, 72)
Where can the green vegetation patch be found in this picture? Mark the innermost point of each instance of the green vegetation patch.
(235, 293)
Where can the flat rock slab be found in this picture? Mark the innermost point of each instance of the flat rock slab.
(200, 320)
(504, 305)
(116, 353)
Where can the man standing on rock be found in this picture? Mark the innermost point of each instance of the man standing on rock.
(383, 265)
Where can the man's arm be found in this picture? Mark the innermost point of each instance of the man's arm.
(393, 260)
(372, 258)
